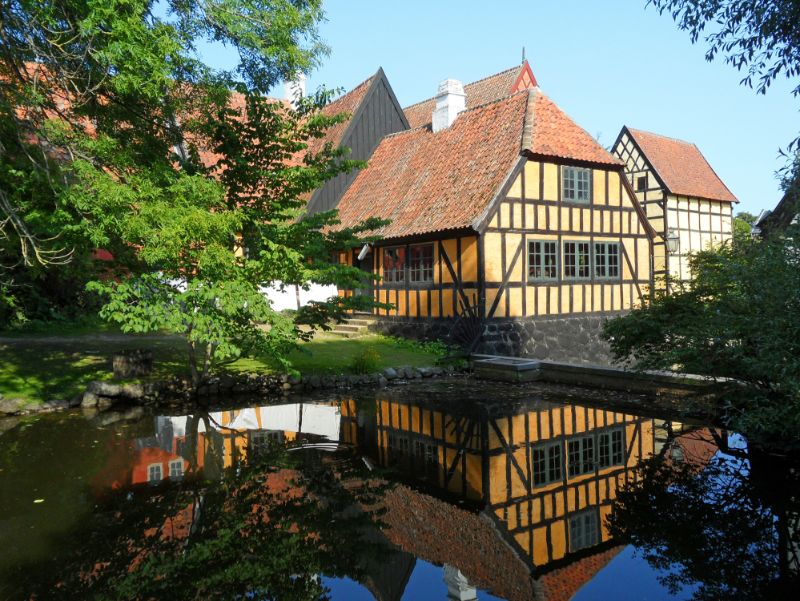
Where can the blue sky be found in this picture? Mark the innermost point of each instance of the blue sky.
(605, 63)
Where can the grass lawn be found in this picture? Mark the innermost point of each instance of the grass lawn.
(58, 364)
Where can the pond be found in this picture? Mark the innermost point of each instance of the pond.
(456, 490)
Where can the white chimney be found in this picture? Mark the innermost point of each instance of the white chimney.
(450, 101)
(295, 89)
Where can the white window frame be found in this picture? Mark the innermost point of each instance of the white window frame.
(160, 472)
(398, 274)
(420, 273)
(576, 185)
(179, 463)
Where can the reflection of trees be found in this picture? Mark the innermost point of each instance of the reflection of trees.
(260, 531)
(729, 529)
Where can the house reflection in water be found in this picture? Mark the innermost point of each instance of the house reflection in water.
(543, 475)
(536, 478)
(222, 439)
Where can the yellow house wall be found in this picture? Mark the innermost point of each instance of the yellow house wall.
(700, 224)
(445, 295)
(532, 210)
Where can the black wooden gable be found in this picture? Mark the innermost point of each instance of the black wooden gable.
(378, 115)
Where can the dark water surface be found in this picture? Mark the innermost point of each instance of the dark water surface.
(455, 490)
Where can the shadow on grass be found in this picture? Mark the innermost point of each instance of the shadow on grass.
(331, 354)
(61, 370)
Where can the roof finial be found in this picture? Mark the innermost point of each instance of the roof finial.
(523, 55)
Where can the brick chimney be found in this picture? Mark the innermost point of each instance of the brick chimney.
(450, 101)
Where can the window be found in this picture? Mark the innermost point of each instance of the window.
(421, 263)
(154, 473)
(542, 260)
(583, 531)
(176, 468)
(259, 442)
(606, 259)
(394, 264)
(547, 462)
(575, 184)
(610, 448)
(576, 260)
(581, 455)
(617, 447)
(641, 183)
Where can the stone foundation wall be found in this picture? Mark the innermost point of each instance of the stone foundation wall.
(415, 329)
(566, 339)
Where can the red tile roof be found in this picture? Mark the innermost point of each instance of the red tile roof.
(427, 182)
(479, 92)
(554, 134)
(681, 167)
(561, 584)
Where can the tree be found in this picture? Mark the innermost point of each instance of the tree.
(122, 69)
(118, 136)
(207, 246)
(726, 530)
(743, 224)
(736, 323)
(267, 528)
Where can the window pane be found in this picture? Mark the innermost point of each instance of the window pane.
(604, 450)
(576, 184)
(617, 447)
(555, 463)
(421, 263)
(394, 261)
(568, 184)
(538, 466)
(606, 259)
(542, 260)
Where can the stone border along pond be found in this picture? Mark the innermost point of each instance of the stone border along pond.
(104, 395)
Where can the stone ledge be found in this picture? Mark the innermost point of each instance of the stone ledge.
(104, 395)
(597, 376)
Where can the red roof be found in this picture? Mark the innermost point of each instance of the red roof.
(427, 182)
(681, 167)
(479, 92)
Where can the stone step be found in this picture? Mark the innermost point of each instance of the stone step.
(345, 334)
(346, 327)
(359, 322)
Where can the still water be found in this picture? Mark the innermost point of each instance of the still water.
(428, 491)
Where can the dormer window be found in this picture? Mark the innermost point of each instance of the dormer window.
(575, 184)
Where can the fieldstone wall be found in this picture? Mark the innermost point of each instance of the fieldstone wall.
(565, 339)
(574, 339)
(415, 329)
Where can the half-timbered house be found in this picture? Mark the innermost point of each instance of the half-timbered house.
(686, 202)
(511, 229)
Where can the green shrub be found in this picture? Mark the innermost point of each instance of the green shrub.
(366, 362)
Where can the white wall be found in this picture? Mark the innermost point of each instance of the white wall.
(287, 298)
